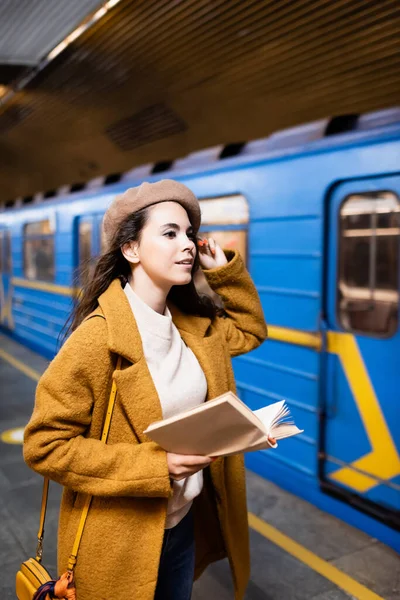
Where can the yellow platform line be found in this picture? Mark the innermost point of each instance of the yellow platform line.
(321, 566)
(35, 375)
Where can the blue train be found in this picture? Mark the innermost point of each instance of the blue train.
(315, 212)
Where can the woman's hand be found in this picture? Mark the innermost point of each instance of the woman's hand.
(181, 466)
(210, 253)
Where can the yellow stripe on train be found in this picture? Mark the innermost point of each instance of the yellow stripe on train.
(383, 461)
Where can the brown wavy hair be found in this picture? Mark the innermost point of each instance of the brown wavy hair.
(112, 264)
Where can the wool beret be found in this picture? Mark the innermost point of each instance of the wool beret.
(148, 194)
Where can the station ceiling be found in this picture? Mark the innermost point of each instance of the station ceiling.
(154, 80)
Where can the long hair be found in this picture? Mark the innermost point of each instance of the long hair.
(112, 264)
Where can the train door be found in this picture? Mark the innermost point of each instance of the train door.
(88, 245)
(359, 458)
(5, 278)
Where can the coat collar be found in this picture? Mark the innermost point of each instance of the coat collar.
(123, 333)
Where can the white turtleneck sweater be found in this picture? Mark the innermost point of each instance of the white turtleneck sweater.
(179, 381)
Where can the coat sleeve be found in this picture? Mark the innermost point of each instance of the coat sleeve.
(244, 326)
(55, 442)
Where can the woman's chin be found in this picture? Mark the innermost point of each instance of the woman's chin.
(183, 279)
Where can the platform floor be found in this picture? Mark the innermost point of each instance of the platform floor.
(298, 552)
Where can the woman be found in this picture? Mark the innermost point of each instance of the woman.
(157, 519)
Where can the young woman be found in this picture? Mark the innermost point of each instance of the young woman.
(157, 519)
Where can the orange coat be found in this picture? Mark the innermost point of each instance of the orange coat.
(128, 477)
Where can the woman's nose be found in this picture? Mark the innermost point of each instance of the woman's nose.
(188, 243)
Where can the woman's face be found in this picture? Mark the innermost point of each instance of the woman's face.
(166, 251)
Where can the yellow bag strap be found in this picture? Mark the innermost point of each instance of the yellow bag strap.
(88, 499)
(45, 493)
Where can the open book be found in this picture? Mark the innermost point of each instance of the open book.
(223, 426)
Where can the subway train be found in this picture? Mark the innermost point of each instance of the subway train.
(315, 212)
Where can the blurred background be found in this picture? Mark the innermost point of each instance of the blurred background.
(283, 117)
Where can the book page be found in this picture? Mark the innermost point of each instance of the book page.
(268, 414)
(279, 432)
(277, 420)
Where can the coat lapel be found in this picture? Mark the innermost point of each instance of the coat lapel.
(123, 334)
(136, 391)
(138, 397)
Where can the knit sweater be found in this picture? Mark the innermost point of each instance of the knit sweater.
(179, 381)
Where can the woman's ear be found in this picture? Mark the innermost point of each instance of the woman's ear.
(130, 251)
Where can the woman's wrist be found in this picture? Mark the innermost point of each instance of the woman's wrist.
(231, 268)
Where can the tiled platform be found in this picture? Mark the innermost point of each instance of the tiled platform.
(346, 556)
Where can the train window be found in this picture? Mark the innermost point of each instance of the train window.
(368, 281)
(226, 220)
(39, 250)
(231, 239)
(226, 211)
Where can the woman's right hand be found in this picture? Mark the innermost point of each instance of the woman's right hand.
(181, 466)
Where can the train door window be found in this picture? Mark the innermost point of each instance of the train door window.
(85, 251)
(368, 281)
(5, 252)
(6, 265)
(101, 236)
(38, 239)
(88, 246)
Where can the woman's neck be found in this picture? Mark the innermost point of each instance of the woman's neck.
(148, 291)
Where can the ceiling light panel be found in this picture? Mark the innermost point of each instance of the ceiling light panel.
(30, 30)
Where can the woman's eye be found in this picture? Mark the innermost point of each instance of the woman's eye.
(170, 234)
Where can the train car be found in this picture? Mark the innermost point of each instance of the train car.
(314, 210)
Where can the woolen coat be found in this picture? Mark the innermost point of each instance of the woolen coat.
(128, 477)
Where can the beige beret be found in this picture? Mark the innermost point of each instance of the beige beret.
(147, 194)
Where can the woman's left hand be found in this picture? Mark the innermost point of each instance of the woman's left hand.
(211, 254)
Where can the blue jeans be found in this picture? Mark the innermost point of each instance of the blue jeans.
(176, 570)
